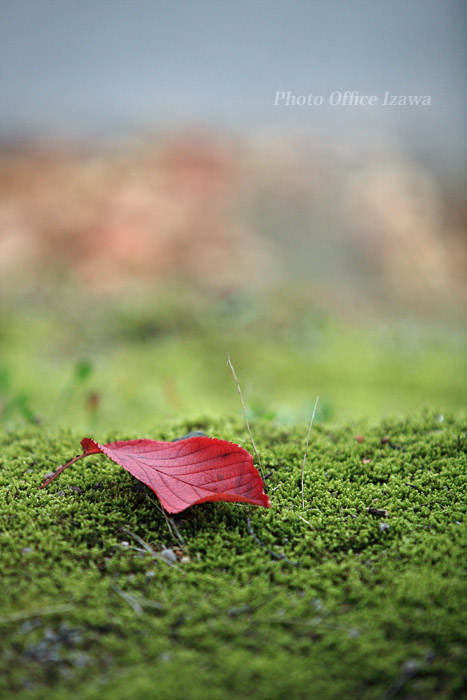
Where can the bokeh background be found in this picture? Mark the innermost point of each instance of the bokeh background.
(157, 208)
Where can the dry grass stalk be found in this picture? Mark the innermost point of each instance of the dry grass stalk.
(229, 362)
(306, 448)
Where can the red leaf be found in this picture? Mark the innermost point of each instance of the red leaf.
(185, 472)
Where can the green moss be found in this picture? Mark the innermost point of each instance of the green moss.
(364, 604)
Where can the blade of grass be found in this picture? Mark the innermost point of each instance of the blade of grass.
(229, 362)
(306, 448)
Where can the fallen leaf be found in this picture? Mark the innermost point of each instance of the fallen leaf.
(184, 472)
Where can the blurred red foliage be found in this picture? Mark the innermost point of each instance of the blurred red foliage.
(222, 214)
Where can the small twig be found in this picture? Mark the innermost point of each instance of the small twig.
(410, 670)
(147, 548)
(6, 469)
(132, 547)
(229, 362)
(397, 447)
(167, 522)
(179, 537)
(138, 604)
(297, 621)
(421, 505)
(387, 441)
(308, 523)
(306, 448)
(41, 612)
(305, 521)
(139, 539)
(282, 557)
(170, 524)
(412, 486)
(235, 612)
(131, 600)
(303, 622)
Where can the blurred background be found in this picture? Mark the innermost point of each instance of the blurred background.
(158, 207)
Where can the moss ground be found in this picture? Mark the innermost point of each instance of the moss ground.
(340, 601)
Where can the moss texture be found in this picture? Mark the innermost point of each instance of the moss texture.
(361, 593)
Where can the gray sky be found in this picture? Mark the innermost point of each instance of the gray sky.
(93, 67)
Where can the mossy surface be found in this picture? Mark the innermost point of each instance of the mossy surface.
(338, 601)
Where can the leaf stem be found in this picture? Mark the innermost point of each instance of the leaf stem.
(62, 468)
